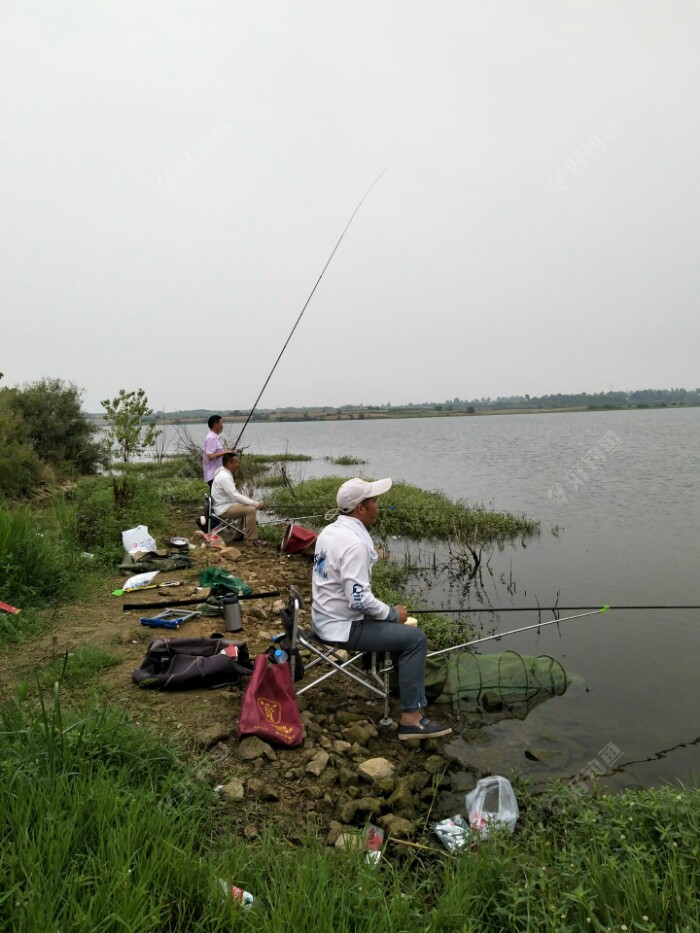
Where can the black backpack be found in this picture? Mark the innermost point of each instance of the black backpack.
(193, 663)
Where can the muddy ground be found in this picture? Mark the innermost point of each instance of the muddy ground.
(326, 782)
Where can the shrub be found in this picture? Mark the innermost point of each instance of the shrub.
(51, 413)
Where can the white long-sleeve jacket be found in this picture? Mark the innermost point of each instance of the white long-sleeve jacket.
(224, 492)
(342, 579)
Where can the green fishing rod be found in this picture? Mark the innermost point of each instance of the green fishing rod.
(515, 631)
(301, 313)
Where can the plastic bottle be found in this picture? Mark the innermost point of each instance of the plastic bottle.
(240, 897)
(280, 656)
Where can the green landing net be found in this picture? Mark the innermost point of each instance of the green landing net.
(506, 678)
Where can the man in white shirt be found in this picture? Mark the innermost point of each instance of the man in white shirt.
(346, 612)
(229, 502)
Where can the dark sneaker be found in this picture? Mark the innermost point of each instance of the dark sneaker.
(425, 729)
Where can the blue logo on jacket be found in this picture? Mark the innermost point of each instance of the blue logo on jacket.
(320, 564)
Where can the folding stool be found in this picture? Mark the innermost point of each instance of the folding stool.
(376, 680)
(217, 524)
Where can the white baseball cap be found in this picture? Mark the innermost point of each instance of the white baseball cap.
(355, 490)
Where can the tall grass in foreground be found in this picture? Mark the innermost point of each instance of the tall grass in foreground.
(105, 829)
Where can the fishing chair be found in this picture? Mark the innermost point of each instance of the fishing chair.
(215, 524)
(335, 656)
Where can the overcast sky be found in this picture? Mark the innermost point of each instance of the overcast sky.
(176, 174)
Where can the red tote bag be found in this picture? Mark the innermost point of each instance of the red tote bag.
(269, 707)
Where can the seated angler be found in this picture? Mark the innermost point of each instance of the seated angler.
(229, 503)
(346, 612)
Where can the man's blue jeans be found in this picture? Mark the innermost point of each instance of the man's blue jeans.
(409, 643)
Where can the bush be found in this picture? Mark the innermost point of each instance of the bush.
(50, 411)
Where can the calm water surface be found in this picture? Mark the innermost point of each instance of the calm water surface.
(620, 490)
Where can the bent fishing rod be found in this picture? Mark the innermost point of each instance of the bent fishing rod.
(515, 631)
(306, 303)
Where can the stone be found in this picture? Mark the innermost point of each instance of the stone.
(402, 798)
(318, 763)
(457, 750)
(234, 790)
(334, 830)
(344, 717)
(463, 782)
(328, 778)
(370, 805)
(397, 826)
(307, 717)
(325, 742)
(250, 831)
(350, 840)
(360, 733)
(340, 746)
(212, 734)
(347, 811)
(376, 769)
(253, 747)
(434, 764)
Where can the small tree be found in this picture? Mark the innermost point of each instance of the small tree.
(127, 436)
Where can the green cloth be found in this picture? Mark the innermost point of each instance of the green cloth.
(216, 578)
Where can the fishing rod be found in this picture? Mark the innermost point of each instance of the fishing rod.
(515, 631)
(127, 607)
(419, 612)
(301, 313)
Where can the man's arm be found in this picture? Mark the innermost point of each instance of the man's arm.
(357, 585)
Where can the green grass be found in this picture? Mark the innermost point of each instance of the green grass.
(76, 668)
(407, 511)
(106, 828)
(345, 460)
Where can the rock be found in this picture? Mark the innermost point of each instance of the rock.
(318, 763)
(250, 831)
(344, 717)
(341, 746)
(463, 782)
(457, 750)
(234, 790)
(334, 830)
(325, 742)
(212, 734)
(370, 805)
(307, 717)
(328, 778)
(376, 769)
(396, 826)
(350, 840)
(491, 701)
(402, 797)
(253, 747)
(434, 764)
(348, 811)
(360, 733)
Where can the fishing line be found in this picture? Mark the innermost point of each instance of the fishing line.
(466, 610)
(301, 313)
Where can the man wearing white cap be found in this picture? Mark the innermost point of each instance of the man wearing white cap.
(346, 612)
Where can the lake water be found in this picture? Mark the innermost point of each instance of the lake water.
(620, 490)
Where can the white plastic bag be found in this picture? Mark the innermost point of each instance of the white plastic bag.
(492, 802)
(138, 539)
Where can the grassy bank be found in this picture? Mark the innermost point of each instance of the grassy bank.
(106, 828)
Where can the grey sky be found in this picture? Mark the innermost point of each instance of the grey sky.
(176, 174)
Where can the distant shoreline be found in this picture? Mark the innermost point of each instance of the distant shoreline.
(311, 414)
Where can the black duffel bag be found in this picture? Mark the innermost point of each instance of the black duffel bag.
(193, 663)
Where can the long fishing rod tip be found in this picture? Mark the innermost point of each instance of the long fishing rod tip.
(604, 609)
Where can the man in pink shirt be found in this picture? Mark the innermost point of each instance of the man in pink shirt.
(213, 449)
